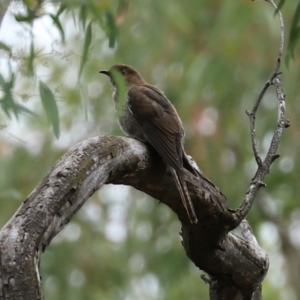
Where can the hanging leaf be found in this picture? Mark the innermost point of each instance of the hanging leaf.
(31, 59)
(294, 35)
(82, 16)
(24, 109)
(8, 104)
(50, 107)
(62, 8)
(58, 26)
(31, 16)
(111, 29)
(87, 43)
(279, 6)
(7, 101)
(24, 18)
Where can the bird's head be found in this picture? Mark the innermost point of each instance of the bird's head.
(130, 75)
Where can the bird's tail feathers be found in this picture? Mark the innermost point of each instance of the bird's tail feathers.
(185, 196)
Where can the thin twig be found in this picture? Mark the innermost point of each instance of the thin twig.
(252, 114)
(264, 166)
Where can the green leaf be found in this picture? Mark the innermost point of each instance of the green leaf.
(31, 59)
(24, 109)
(22, 18)
(62, 8)
(279, 6)
(50, 107)
(58, 26)
(294, 35)
(26, 18)
(7, 101)
(111, 29)
(82, 16)
(8, 104)
(87, 43)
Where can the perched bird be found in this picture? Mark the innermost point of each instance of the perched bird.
(146, 114)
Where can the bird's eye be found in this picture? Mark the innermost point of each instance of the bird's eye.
(123, 71)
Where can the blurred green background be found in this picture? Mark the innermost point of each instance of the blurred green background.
(211, 58)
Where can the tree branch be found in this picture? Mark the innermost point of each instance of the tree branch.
(108, 159)
(264, 166)
(252, 114)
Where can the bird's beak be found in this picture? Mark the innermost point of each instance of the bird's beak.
(106, 72)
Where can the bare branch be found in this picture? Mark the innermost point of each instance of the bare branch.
(252, 114)
(264, 166)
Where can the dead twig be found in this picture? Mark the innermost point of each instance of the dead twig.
(264, 165)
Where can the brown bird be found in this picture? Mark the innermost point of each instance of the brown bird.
(146, 114)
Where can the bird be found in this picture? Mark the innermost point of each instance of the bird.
(146, 114)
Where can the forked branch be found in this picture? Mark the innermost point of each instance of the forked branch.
(264, 165)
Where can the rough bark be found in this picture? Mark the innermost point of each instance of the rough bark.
(233, 263)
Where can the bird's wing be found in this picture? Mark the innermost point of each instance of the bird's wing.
(159, 122)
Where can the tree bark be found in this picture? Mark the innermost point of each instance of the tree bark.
(236, 266)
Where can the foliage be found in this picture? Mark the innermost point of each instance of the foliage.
(211, 58)
(294, 34)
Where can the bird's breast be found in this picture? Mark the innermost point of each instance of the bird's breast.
(128, 123)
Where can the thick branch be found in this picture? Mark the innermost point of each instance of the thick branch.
(82, 171)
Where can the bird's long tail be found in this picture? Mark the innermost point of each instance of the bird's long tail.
(185, 196)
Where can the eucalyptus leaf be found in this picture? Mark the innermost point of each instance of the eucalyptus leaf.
(85, 52)
(50, 107)
(111, 29)
(58, 26)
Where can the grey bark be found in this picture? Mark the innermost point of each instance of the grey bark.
(236, 266)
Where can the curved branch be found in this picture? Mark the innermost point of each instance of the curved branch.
(108, 159)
